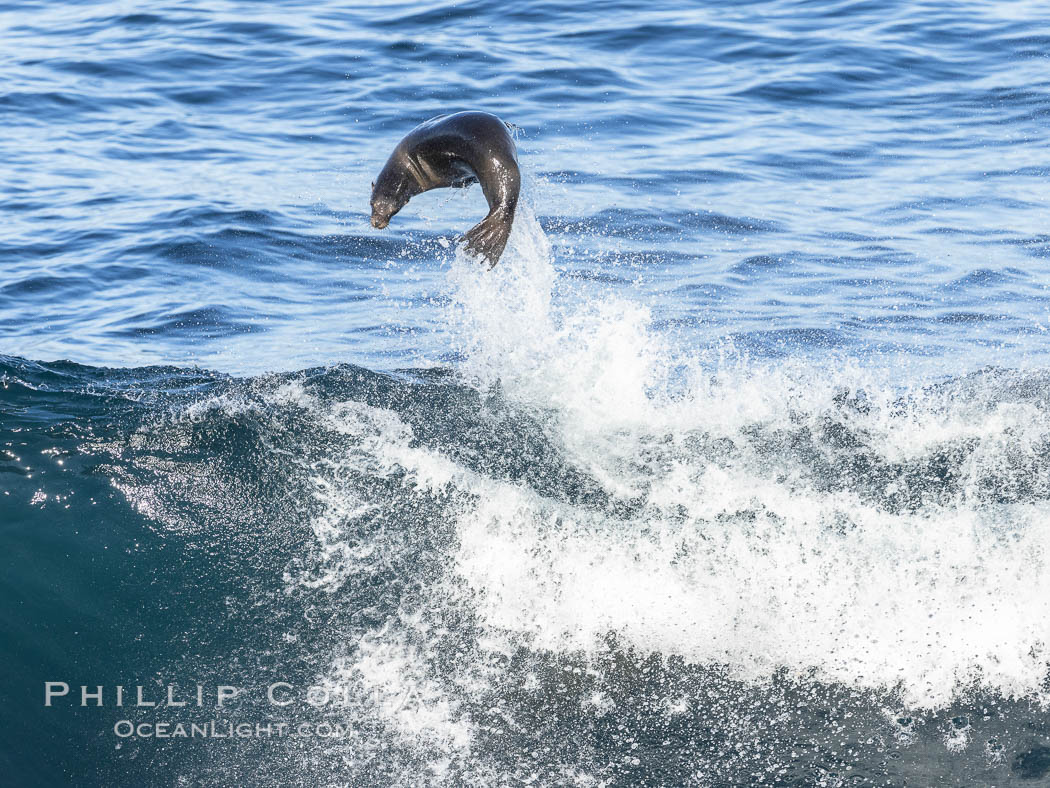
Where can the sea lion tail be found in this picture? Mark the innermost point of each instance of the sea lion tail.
(488, 238)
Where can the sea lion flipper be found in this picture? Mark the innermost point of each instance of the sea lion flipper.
(488, 238)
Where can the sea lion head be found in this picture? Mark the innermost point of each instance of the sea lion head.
(384, 206)
(391, 192)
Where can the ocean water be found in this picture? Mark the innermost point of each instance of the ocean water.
(735, 471)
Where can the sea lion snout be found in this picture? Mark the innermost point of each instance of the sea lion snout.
(383, 209)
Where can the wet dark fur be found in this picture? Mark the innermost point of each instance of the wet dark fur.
(455, 151)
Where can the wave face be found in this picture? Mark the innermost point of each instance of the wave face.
(735, 471)
(583, 555)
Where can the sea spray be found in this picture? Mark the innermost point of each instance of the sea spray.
(799, 516)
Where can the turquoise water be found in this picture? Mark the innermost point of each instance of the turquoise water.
(733, 472)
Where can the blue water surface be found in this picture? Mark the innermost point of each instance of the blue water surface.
(744, 481)
(189, 184)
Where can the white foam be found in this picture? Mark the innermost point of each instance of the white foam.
(721, 544)
(746, 560)
(393, 672)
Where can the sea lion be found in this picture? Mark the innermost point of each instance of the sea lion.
(455, 150)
